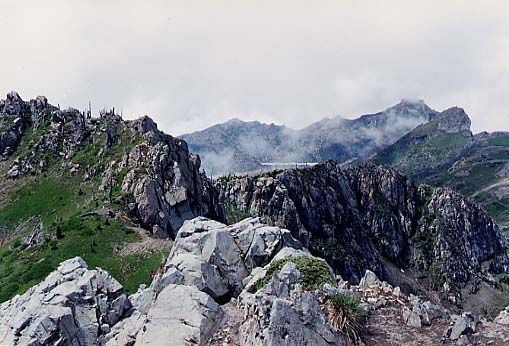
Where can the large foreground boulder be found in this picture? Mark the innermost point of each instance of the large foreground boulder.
(216, 258)
(210, 265)
(182, 315)
(72, 306)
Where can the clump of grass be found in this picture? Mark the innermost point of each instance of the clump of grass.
(315, 272)
(346, 316)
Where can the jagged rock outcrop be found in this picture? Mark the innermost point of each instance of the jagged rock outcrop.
(463, 237)
(13, 105)
(12, 123)
(453, 120)
(73, 306)
(63, 133)
(360, 218)
(165, 182)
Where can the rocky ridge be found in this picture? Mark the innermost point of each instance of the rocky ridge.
(72, 306)
(374, 218)
(209, 279)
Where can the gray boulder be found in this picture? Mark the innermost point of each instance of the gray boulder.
(259, 243)
(503, 317)
(422, 314)
(464, 324)
(369, 279)
(207, 257)
(217, 258)
(182, 315)
(72, 306)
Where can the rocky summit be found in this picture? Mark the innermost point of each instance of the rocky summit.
(158, 171)
(102, 188)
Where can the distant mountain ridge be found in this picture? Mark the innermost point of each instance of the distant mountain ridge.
(238, 146)
(444, 152)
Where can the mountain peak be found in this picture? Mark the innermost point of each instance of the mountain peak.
(411, 101)
(234, 121)
(453, 120)
(411, 106)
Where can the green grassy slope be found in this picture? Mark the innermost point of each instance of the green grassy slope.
(56, 200)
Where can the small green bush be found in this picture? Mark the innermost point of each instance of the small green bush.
(60, 235)
(346, 316)
(315, 272)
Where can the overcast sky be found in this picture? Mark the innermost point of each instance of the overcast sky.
(190, 64)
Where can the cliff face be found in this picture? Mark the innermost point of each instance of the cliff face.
(372, 217)
(165, 181)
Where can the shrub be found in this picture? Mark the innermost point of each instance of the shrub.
(60, 235)
(234, 214)
(315, 272)
(346, 316)
(129, 231)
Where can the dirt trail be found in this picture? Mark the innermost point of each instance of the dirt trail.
(228, 333)
(146, 244)
(502, 182)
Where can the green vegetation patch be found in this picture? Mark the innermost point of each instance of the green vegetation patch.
(56, 199)
(498, 209)
(49, 197)
(315, 272)
(92, 238)
(424, 154)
